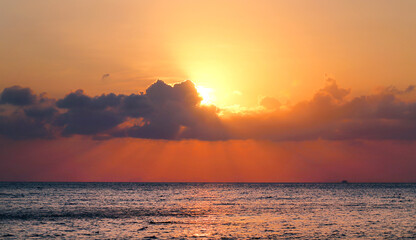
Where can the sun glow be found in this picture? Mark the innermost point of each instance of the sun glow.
(206, 94)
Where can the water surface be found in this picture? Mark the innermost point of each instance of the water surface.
(212, 211)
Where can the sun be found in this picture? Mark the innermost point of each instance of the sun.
(206, 94)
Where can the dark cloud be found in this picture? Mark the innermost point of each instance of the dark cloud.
(74, 100)
(135, 106)
(19, 126)
(184, 93)
(174, 112)
(41, 113)
(88, 116)
(86, 122)
(18, 96)
(330, 115)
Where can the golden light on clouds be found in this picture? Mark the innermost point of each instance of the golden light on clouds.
(213, 70)
(207, 94)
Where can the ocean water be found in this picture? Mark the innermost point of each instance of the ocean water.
(207, 211)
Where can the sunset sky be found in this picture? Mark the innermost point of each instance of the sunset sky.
(213, 91)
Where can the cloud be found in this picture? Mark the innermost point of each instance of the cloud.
(332, 90)
(26, 125)
(174, 112)
(18, 96)
(105, 76)
(88, 115)
(269, 103)
(41, 113)
(394, 90)
(330, 115)
(163, 112)
(25, 115)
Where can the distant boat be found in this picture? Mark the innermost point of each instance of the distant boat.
(344, 181)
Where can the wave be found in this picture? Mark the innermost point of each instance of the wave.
(99, 213)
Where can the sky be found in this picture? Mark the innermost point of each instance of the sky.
(212, 91)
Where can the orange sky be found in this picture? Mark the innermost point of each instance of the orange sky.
(76, 159)
(240, 49)
(302, 90)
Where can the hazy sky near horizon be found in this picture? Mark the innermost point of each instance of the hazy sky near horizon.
(291, 90)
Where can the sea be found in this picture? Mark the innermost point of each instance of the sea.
(207, 211)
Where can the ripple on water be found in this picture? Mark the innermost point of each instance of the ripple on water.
(220, 211)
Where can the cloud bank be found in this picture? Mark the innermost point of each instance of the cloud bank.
(174, 113)
(163, 112)
(330, 115)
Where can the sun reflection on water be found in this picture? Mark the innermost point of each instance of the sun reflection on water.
(207, 211)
